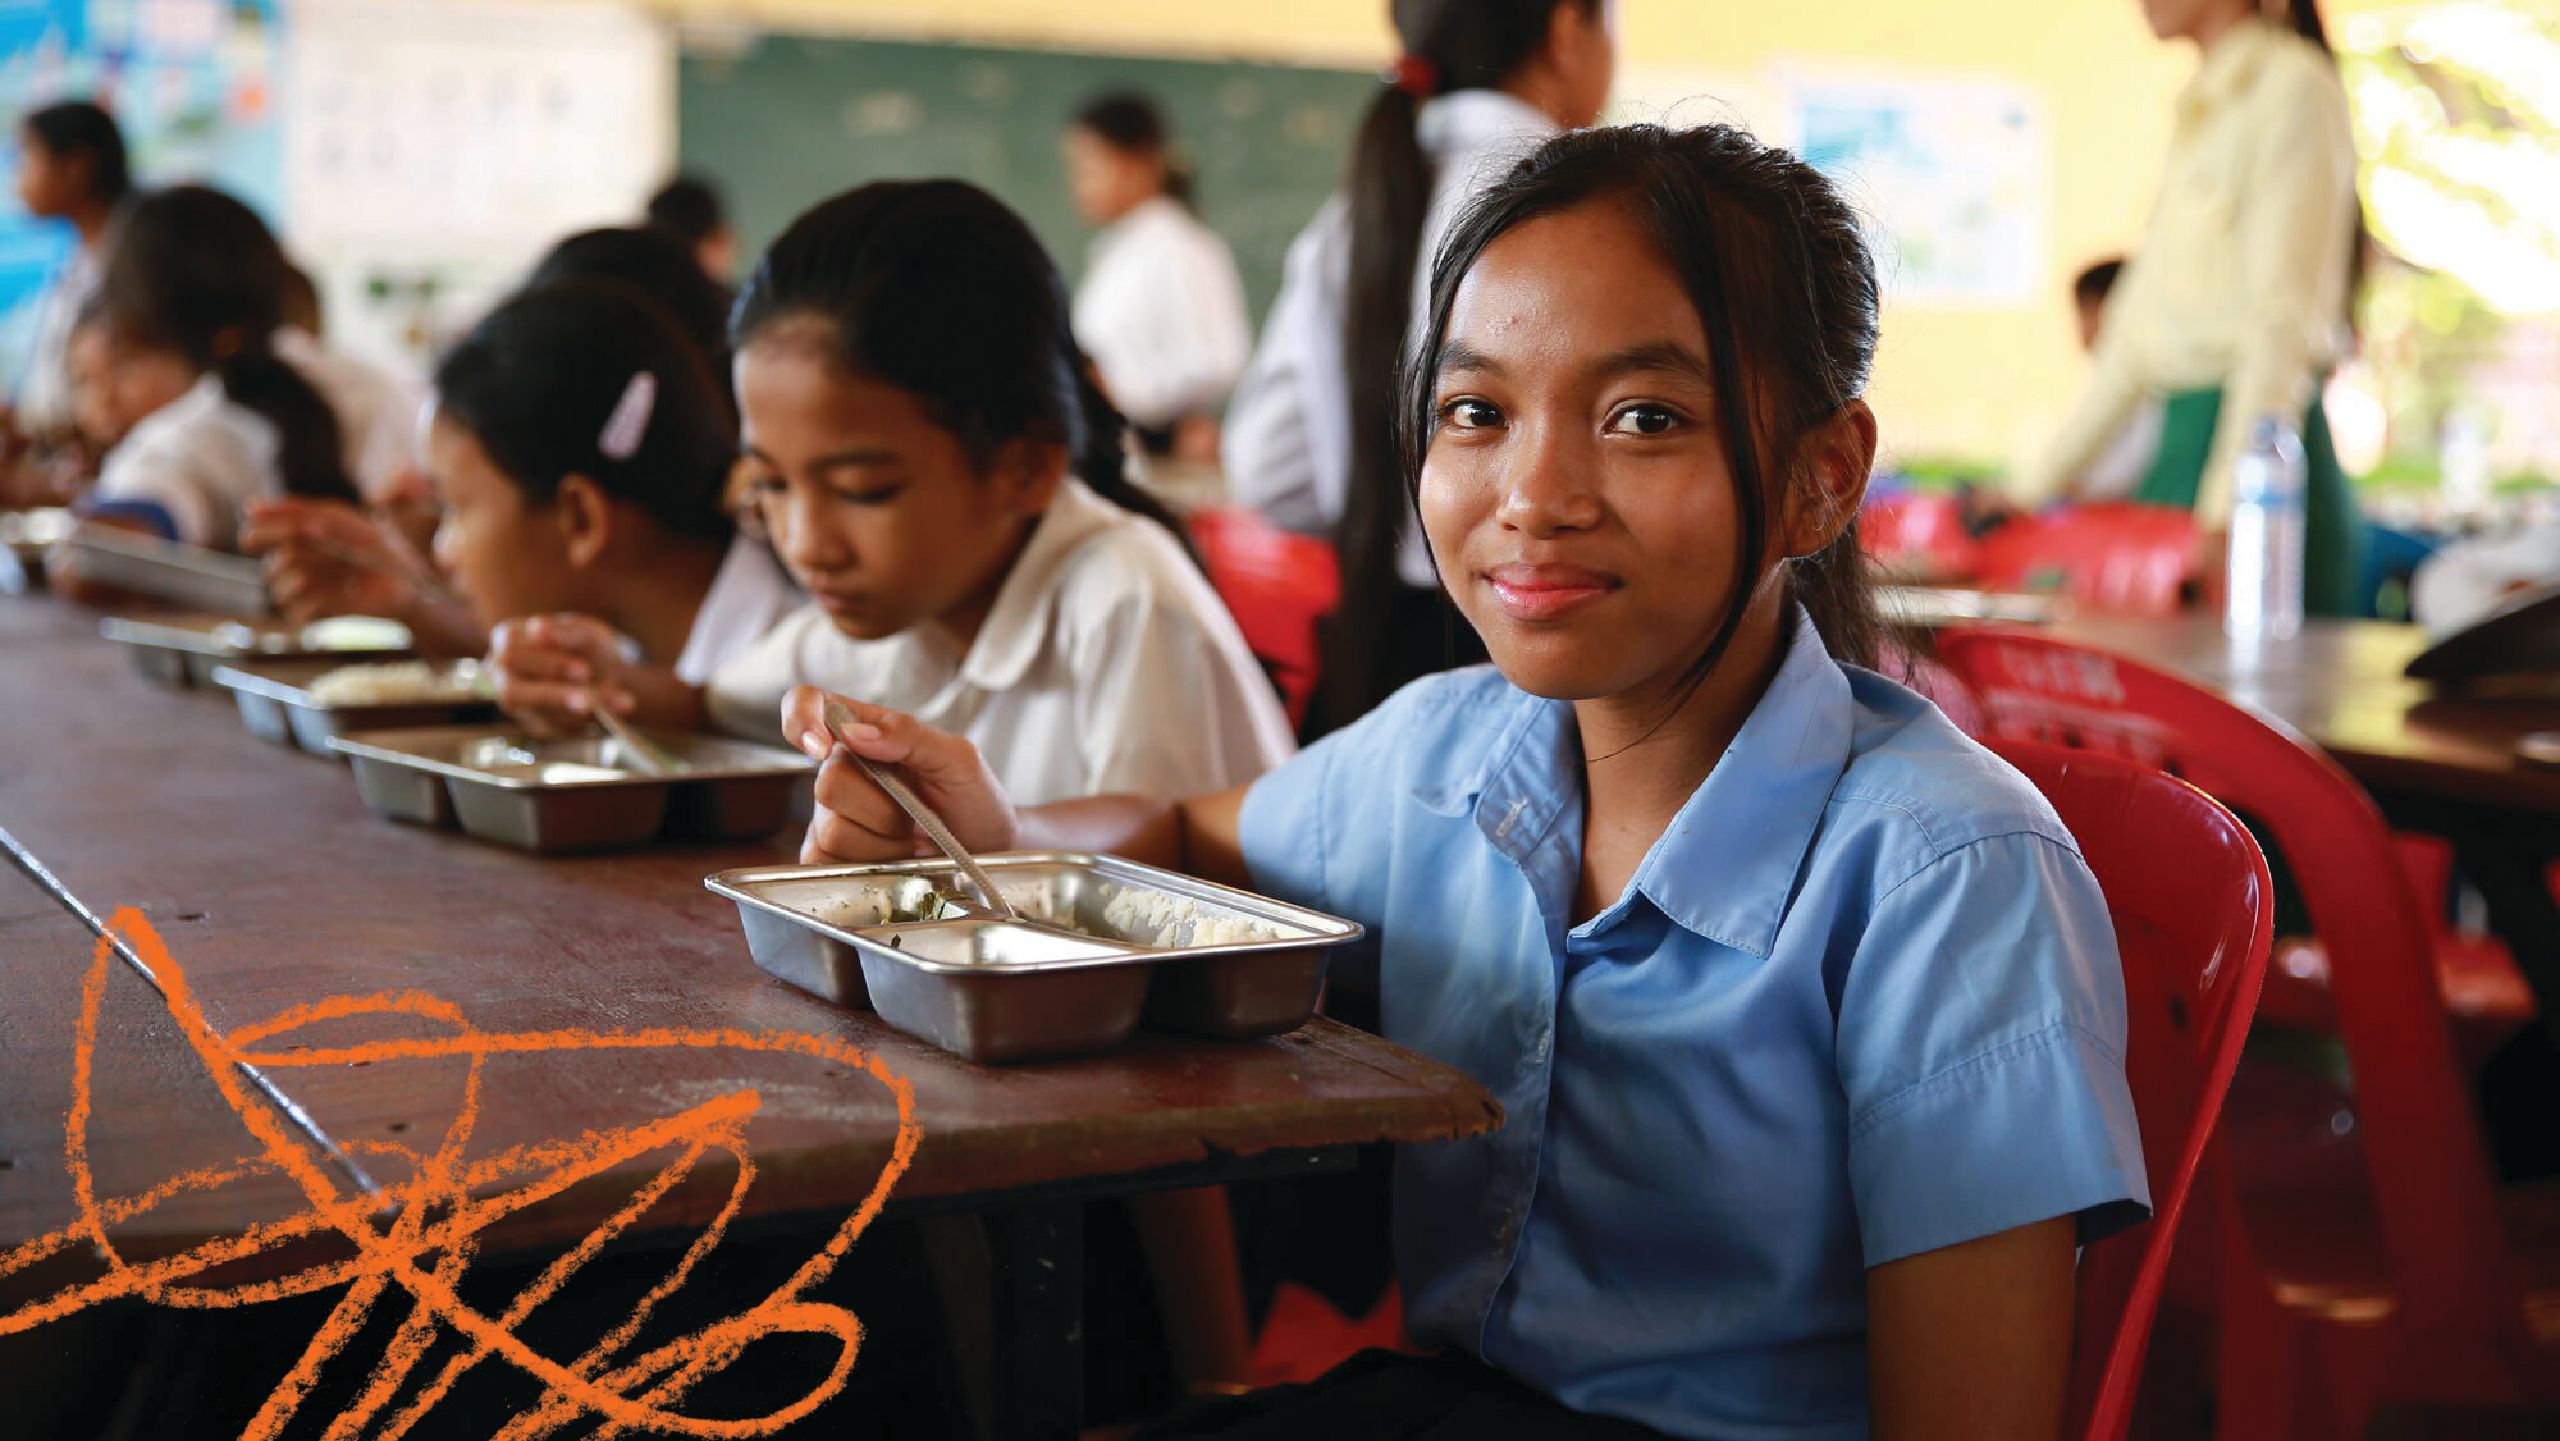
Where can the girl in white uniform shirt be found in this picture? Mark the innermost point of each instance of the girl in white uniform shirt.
(1482, 83)
(195, 280)
(1160, 310)
(934, 469)
(582, 452)
(311, 576)
(71, 167)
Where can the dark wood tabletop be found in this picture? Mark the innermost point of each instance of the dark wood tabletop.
(2340, 684)
(272, 889)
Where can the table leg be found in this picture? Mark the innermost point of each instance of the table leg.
(1039, 1275)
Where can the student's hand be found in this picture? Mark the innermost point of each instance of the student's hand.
(326, 558)
(855, 820)
(553, 670)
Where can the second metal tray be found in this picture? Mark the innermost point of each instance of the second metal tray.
(278, 705)
(502, 784)
(183, 649)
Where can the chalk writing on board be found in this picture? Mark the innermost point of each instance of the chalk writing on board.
(419, 1235)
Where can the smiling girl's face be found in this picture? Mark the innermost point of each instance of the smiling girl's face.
(1576, 493)
(877, 510)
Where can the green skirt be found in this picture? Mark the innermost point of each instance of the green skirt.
(2333, 528)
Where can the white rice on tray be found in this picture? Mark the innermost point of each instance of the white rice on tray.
(1143, 918)
(397, 683)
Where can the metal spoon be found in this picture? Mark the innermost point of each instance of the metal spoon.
(653, 758)
(839, 720)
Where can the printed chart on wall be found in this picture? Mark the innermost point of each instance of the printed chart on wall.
(193, 84)
(439, 145)
(1952, 174)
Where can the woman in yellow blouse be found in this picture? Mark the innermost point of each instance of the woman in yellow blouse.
(2235, 304)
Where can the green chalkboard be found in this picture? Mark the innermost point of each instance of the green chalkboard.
(784, 121)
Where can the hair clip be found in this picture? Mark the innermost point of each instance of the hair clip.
(1415, 75)
(623, 429)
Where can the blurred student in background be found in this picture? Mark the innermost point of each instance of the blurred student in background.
(329, 560)
(194, 287)
(2236, 305)
(583, 453)
(1309, 438)
(689, 209)
(1160, 310)
(2116, 471)
(71, 167)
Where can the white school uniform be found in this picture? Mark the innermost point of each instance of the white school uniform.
(44, 399)
(749, 596)
(1287, 449)
(1107, 666)
(202, 459)
(1162, 313)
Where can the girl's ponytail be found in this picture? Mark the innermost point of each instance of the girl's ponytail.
(1101, 459)
(310, 444)
(196, 272)
(1449, 45)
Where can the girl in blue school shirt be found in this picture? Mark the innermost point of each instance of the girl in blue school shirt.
(1804, 1011)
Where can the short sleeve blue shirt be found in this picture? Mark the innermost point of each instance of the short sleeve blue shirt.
(1860, 1001)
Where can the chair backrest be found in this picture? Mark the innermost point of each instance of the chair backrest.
(2194, 913)
(2114, 556)
(2426, 1160)
(1278, 586)
(1920, 531)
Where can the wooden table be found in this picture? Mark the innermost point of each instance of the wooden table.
(2340, 684)
(274, 889)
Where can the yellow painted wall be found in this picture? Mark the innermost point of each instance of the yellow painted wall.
(1983, 383)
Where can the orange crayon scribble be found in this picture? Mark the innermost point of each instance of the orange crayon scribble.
(442, 1208)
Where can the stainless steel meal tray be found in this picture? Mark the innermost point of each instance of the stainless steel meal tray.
(1102, 940)
(28, 534)
(182, 650)
(277, 704)
(185, 574)
(555, 796)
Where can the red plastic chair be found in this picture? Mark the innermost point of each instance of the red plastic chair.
(1920, 533)
(2484, 993)
(1278, 585)
(2113, 556)
(2194, 912)
(2366, 1256)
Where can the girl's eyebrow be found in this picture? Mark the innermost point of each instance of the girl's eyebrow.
(841, 460)
(1457, 355)
(1660, 356)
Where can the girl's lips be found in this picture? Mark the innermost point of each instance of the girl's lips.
(835, 602)
(1536, 593)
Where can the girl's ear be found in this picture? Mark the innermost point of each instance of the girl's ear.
(585, 518)
(1026, 473)
(1834, 459)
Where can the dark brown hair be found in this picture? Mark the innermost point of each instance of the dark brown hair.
(197, 273)
(1131, 124)
(1784, 288)
(937, 288)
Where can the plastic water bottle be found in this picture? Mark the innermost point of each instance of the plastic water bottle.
(2264, 599)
